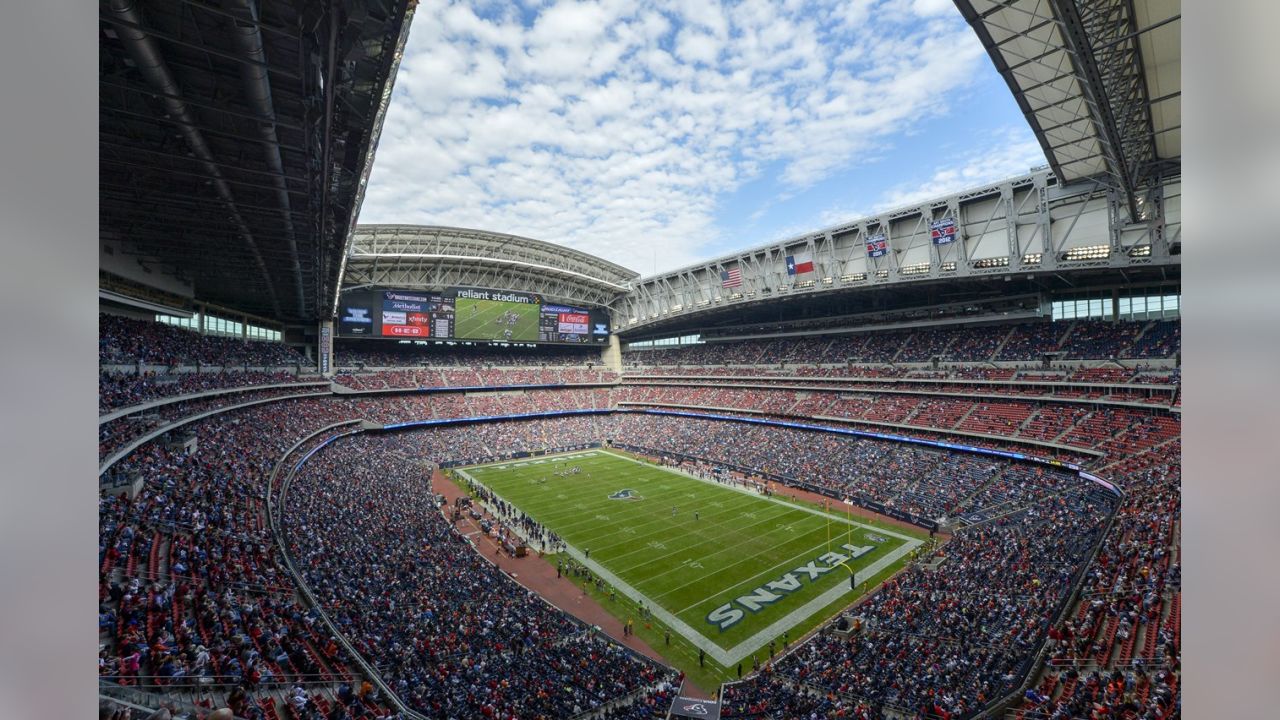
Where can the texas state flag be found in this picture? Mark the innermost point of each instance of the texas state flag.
(799, 263)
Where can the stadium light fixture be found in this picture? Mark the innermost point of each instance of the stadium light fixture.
(853, 277)
(916, 269)
(828, 280)
(1140, 251)
(993, 262)
(949, 266)
(1088, 252)
(1032, 258)
(882, 274)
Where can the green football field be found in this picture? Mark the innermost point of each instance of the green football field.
(725, 569)
(485, 320)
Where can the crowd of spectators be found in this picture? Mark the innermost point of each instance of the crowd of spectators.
(1100, 339)
(118, 390)
(1030, 341)
(192, 597)
(115, 434)
(388, 354)
(192, 593)
(927, 482)
(1032, 418)
(1119, 654)
(472, 377)
(1162, 339)
(450, 632)
(129, 341)
(943, 641)
(1024, 342)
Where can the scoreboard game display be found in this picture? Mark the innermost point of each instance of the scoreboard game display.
(468, 314)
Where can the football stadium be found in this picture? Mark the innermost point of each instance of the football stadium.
(916, 462)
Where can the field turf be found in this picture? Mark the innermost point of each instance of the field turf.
(481, 320)
(743, 571)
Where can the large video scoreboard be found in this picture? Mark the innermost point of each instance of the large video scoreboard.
(468, 314)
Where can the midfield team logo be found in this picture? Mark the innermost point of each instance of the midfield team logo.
(626, 495)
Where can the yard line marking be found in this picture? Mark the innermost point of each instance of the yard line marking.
(507, 463)
(708, 519)
(729, 548)
(806, 554)
(658, 517)
(721, 568)
(770, 498)
(761, 638)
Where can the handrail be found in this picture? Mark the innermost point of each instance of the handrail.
(379, 368)
(1036, 659)
(732, 382)
(303, 587)
(345, 390)
(1034, 669)
(161, 402)
(273, 523)
(585, 627)
(138, 442)
(138, 699)
(879, 423)
(912, 380)
(205, 681)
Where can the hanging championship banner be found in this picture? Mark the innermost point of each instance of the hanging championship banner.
(877, 245)
(943, 231)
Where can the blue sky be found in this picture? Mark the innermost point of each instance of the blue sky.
(661, 133)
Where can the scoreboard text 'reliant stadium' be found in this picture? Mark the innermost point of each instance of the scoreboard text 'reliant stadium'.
(468, 314)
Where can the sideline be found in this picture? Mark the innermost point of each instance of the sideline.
(762, 637)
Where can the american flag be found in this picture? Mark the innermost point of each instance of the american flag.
(731, 278)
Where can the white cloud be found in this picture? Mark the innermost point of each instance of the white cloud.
(1014, 152)
(614, 127)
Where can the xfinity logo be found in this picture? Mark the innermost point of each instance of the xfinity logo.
(357, 315)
